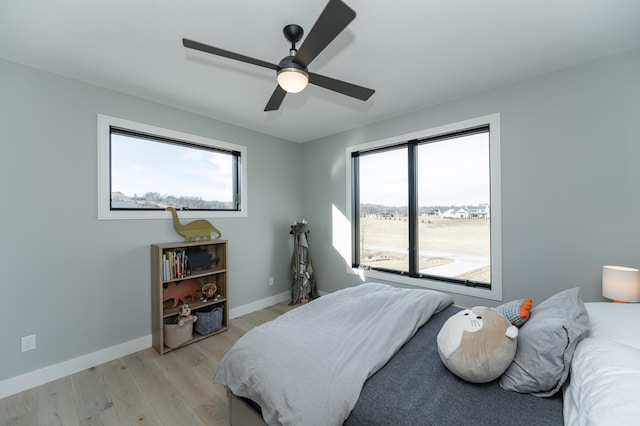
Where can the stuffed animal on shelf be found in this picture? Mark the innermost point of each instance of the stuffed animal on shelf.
(208, 291)
(477, 344)
(184, 315)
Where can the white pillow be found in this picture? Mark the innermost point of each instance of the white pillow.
(615, 321)
(604, 385)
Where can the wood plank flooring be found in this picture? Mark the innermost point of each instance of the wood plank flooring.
(143, 388)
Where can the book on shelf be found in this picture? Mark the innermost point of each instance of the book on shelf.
(174, 265)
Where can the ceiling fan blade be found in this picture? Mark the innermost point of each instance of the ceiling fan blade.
(225, 53)
(340, 86)
(276, 99)
(333, 19)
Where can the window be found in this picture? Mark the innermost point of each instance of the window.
(144, 169)
(425, 208)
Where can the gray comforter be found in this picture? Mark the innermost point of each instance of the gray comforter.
(308, 366)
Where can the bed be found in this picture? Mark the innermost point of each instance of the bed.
(605, 371)
(367, 356)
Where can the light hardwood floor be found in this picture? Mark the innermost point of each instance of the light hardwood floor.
(143, 388)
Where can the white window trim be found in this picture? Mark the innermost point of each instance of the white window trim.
(105, 123)
(495, 293)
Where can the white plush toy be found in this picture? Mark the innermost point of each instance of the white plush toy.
(477, 344)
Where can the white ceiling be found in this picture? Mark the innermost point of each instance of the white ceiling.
(414, 53)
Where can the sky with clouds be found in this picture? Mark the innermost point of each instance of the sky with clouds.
(140, 166)
(451, 172)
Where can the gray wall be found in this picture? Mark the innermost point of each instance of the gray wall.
(570, 155)
(83, 285)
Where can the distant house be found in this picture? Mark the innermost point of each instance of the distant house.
(456, 213)
(481, 211)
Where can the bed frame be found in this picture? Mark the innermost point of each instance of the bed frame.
(242, 412)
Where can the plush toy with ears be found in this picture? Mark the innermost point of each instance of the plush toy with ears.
(208, 291)
(477, 344)
(184, 315)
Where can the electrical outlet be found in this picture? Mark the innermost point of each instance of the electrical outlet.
(28, 343)
(270, 281)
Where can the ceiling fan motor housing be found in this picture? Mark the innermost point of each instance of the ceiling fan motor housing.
(291, 76)
(288, 62)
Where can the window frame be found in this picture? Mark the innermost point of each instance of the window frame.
(491, 121)
(106, 123)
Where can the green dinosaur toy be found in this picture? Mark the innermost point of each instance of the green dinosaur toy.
(193, 230)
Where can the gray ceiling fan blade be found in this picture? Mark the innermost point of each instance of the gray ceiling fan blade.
(227, 54)
(276, 99)
(334, 18)
(340, 86)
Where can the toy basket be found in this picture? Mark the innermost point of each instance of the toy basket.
(209, 319)
(175, 335)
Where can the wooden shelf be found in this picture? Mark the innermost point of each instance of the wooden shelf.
(196, 275)
(168, 312)
(208, 253)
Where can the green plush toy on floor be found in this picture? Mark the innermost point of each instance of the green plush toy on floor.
(304, 286)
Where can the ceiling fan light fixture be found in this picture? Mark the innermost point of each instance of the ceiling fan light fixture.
(292, 80)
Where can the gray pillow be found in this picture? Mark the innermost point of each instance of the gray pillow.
(546, 344)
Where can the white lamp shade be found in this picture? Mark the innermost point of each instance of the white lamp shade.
(621, 283)
(292, 80)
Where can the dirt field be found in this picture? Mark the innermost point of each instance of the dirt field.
(460, 236)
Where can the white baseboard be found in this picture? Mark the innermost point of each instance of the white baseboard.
(50, 373)
(259, 304)
(53, 372)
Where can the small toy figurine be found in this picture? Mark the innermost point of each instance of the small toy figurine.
(208, 291)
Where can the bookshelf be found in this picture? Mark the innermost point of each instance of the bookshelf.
(178, 269)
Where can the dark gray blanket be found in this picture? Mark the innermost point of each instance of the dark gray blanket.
(415, 388)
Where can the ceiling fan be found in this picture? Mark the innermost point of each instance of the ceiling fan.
(292, 73)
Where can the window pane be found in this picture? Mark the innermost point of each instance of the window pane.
(453, 195)
(384, 229)
(148, 173)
